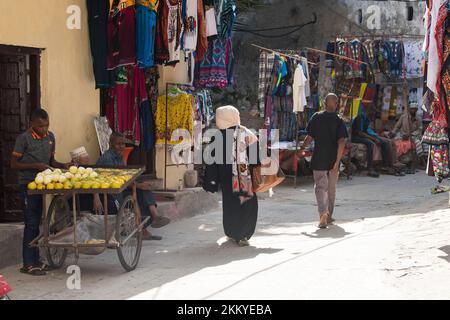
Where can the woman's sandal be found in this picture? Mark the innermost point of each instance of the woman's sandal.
(45, 267)
(33, 271)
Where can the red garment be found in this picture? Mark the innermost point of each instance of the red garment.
(121, 38)
(439, 34)
(202, 39)
(162, 40)
(124, 105)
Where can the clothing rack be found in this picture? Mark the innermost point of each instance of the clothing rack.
(297, 58)
(337, 55)
(170, 85)
(373, 36)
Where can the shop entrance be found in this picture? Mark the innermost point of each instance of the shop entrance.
(19, 96)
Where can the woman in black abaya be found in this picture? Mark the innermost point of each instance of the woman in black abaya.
(232, 175)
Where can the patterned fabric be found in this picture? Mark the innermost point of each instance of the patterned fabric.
(341, 48)
(413, 58)
(266, 62)
(355, 52)
(371, 49)
(227, 18)
(393, 53)
(179, 117)
(242, 180)
(212, 71)
(439, 157)
(435, 134)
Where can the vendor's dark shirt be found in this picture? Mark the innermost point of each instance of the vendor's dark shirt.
(111, 158)
(326, 128)
(31, 148)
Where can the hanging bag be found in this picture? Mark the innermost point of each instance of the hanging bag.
(262, 182)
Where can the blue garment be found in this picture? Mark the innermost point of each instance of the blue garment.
(148, 126)
(111, 158)
(145, 36)
(362, 124)
(32, 216)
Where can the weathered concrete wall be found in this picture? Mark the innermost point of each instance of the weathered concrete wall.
(334, 18)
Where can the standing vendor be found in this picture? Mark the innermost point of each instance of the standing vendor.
(34, 152)
(146, 200)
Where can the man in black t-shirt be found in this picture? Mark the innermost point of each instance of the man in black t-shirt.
(328, 131)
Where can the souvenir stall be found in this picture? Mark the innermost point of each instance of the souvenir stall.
(382, 74)
(138, 46)
(288, 97)
(437, 87)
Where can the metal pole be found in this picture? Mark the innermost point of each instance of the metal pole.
(105, 200)
(165, 137)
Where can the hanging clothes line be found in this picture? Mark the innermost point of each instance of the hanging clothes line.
(283, 54)
(337, 55)
(381, 36)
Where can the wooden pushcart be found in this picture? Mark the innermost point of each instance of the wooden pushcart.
(64, 213)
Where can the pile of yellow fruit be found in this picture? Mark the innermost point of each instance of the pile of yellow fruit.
(81, 178)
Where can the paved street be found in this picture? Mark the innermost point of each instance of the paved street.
(391, 240)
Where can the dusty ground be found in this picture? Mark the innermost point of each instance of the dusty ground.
(391, 240)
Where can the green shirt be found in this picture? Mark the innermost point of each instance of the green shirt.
(30, 148)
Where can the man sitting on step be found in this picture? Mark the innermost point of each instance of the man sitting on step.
(146, 199)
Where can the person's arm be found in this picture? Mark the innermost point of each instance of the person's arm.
(15, 164)
(398, 125)
(306, 143)
(311, 134)
(340, 153)
(53, 162)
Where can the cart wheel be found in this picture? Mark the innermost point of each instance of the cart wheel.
(59, 218)
(129, 252)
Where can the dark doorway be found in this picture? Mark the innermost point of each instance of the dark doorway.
(19, 95)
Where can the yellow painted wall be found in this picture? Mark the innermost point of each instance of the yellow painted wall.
(67, 80)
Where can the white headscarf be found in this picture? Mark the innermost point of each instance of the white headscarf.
(227, 117)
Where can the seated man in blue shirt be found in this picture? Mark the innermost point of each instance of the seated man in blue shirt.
(146, 200)
(363, 133)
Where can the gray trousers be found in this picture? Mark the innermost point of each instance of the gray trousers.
(325, 188)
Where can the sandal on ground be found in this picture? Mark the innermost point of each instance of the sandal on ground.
(33, 271)
(45, 267)
(160, 222)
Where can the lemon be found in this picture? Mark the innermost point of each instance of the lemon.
(95, 185)
(39, 180)
(77, 185)
(67, 185)
(86, 185)
(59, 186)
(40, 186)
(105, 185)
(116, 185)
(73, 170)
(50, 186)
(32, 186)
